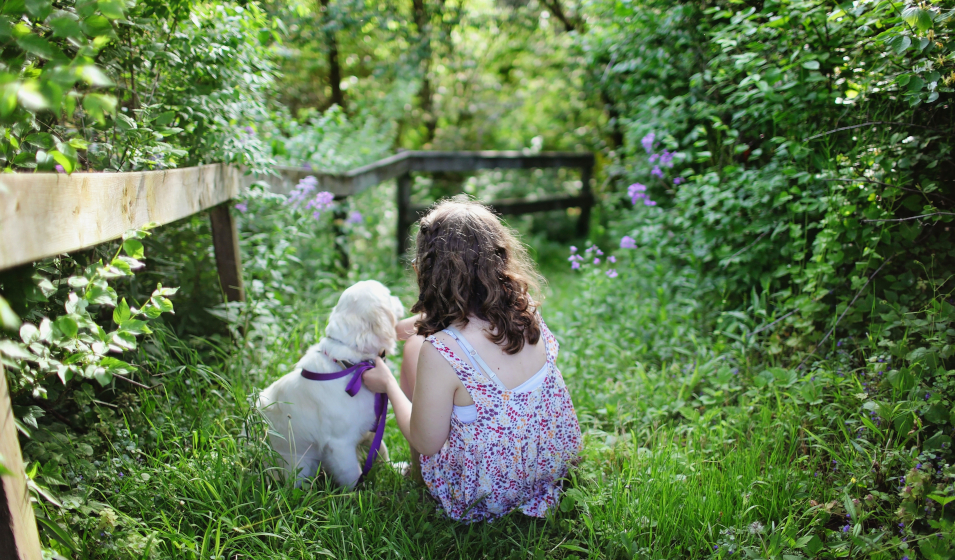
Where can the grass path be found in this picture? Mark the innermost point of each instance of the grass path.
(659, 479)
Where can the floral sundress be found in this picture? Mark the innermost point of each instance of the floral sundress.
(517, 450)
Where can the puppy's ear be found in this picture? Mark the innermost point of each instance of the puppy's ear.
(379, 330)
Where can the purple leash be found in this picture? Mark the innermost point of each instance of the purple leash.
(354, 385)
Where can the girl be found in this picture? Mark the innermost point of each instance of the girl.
(490, 414)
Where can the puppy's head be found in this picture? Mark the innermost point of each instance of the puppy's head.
(365, 317)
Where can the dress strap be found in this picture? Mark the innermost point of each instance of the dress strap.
(476, 360)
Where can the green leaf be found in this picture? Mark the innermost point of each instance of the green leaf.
(39, 9)
(113, 9)
(811, 65)
(66, 27)
(103, 377)
(121, 314)
(67, 325)
(136, 327)
(941, 499)
(900, 43)
(57, 533)
(67, 162)
(937, 414)
(92, 75)
(133, 248)
(30, 97)
(918, 18)
(13, 7)
(98, 106)
(937, 442)
(165, 118)
(97, 26)
(163, 304)
(814, 545)
(14, 350)
(41, 140)
(8, 98)
(8, 319)
(34, 44)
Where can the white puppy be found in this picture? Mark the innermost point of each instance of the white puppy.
(316, 423)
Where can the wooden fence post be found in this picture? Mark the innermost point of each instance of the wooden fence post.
(19, 538)
(405, 218)
(583, 223)
(341, 239)
(225, 239)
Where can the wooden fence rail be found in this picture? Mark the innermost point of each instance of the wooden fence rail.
(400, 166)
(47, 214)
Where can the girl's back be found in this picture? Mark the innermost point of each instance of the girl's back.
(514, 447)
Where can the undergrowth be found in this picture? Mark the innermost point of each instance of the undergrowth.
(697, 444)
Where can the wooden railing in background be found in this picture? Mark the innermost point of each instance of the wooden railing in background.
(47, 214)
(400, 166)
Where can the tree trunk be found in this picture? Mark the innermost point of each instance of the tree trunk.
(334, 68)
(425, 94)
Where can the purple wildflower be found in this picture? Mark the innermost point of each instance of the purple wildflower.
(322, 201)
(612, 259)
(242, 207)
(612, 273)
(596, 261)
(654, 157)
(845, 528)
(354, 217)
(628, 242)
(839, 343)
(636, 192)
(679, 180)
(647, 142)
(666, 159)
(656, 171)
(248, 130)
(648, 202)
(574, 265)
(302, 191)
(59, 169)
(573, 249)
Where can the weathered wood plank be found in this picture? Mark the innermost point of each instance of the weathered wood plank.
(583, 223)
(225, 239)
(46, 214)
(470, 161)
(405, 215)
(19, 538)
(361, 178)
(521, 206)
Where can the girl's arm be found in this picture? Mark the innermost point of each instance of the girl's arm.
(425, 424)
(405, 327)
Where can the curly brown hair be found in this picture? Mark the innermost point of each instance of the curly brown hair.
(469, 264)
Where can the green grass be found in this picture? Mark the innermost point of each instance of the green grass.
(695, 447)
(193, 487)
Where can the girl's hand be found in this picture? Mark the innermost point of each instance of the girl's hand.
(379, 378)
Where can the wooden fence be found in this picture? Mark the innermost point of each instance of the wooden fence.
(46, 214)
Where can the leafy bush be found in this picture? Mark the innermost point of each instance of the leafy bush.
(100, 85)
(809, 149)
